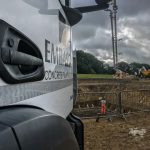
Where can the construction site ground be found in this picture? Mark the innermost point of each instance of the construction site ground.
(119, 134)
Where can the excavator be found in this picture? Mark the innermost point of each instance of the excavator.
(144, 73)
(38, 81)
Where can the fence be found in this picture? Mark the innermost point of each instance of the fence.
(136, 100)
(121, 101)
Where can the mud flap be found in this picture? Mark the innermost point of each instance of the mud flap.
(35, 129)
(78, 129)
(7, 138)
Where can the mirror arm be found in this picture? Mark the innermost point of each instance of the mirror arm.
(74, 15)
(87, 9)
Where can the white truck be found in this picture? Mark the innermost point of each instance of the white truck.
(36, 75)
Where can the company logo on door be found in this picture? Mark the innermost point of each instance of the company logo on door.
(56, 55)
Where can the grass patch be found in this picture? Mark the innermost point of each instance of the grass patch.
(103, 76)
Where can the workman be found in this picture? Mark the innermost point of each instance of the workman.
(103, 106)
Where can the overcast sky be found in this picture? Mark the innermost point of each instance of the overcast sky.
(93, 33)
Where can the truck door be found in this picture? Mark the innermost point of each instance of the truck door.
(36, 55)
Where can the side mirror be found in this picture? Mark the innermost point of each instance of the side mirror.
(101, 5)
(73, 15)
(87, 9)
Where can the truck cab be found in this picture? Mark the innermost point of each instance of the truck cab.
(36, 75)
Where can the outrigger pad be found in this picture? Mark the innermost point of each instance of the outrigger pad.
(36, 129)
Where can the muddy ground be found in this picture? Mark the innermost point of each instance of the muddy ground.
(118, 134)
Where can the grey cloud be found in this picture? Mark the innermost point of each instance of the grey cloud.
(100, 40)
(133, 28)
(133, 7)
(85, 31)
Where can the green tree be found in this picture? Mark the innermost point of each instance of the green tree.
(88, 64)
(123, 66)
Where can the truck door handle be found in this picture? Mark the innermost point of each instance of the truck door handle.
(20, 58)
(14, 57)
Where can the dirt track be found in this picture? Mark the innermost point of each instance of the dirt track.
(115, 135)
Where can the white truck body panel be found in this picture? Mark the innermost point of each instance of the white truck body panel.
(40, 21)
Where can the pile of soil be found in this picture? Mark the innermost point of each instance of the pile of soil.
(116, 135)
